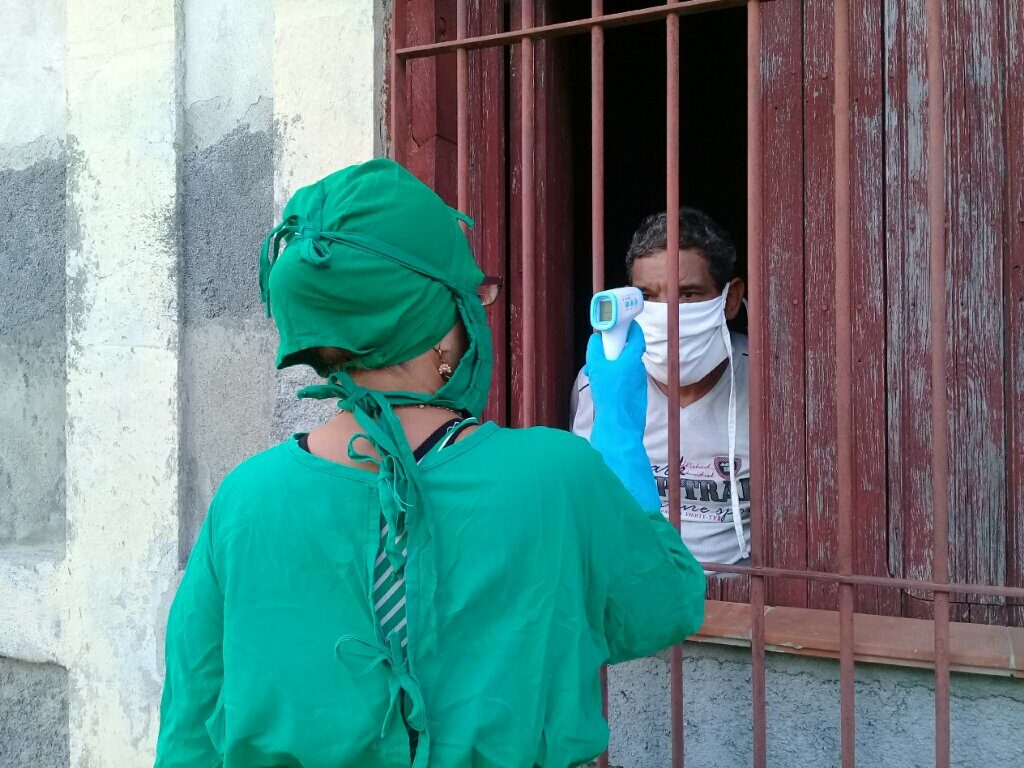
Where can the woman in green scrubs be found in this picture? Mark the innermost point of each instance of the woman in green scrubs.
(405, 586)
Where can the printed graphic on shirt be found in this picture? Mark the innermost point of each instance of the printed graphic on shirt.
(701, 485)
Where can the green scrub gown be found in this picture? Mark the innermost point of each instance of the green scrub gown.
(529, 568)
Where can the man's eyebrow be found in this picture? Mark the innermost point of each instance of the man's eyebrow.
(692, 287)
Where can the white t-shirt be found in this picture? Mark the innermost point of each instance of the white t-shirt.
(705, 501)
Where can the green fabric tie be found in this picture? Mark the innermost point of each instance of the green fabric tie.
(376, 264)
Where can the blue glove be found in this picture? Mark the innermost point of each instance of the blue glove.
(619, 391)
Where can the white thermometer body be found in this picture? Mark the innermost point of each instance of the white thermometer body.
(611, 312)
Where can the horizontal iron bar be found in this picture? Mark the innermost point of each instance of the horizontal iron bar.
(567, 27)
(868, 581)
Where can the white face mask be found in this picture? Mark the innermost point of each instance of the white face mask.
(703, 337)
(704, 342)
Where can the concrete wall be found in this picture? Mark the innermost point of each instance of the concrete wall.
(33, 692)
(227, 190)
(895, 713)
(32, 236)
(145, 147)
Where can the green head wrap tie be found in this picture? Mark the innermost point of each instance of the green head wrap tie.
(376, 264)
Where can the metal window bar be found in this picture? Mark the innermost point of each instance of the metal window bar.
(940, 408)
(528, 186)
(672, 299)
(597, 215)
(758, 571)
(758, 696)
(844, 376)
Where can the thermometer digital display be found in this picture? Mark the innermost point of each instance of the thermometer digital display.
(611, 312)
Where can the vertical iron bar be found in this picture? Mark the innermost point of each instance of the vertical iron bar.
(844, 375)
(398, 106)
(672, 250)
(528, 192)
(756, 323)
(462, 102)
(597, 146)
(940, 406)
(597, 216)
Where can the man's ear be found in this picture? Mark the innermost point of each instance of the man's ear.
(737, 289)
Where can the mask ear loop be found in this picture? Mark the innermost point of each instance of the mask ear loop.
(734, 491)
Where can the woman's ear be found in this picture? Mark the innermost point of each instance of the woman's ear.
(734, 299)
(454, 343)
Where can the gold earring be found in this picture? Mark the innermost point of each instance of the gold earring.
(444, 369)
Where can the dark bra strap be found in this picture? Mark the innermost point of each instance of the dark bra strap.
(425, 447)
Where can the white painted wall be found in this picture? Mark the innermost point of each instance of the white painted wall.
(32, 84)
(122, 75)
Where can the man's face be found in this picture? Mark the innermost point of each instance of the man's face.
(650, 275)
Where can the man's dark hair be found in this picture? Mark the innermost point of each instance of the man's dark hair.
(696, 230)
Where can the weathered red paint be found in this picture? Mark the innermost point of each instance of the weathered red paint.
(939, 336)
(868, 306)
(785, 492)
(552, 197)
(892, 499)
(755, 283)
(1013, 300)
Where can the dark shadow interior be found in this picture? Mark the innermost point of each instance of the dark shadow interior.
(713, 129)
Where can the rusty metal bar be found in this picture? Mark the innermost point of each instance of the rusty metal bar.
(868, 581)
(528, 194)
(462, 108)
(757, 410)
(940, 407)
(672, 250)
(844, 377)
(597, 147)
(597, 215)
(398, 100)
(563, 28)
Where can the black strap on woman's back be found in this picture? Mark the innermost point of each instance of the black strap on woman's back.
(425, 447)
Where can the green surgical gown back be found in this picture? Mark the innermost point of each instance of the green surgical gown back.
(529, 567)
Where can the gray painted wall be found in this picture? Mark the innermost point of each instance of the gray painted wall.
(233, 401)
(895, 711)
(32, 344)
(227, 191)
(227, 344)
(33, 715)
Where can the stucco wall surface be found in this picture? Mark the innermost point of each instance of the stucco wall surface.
(33, 715)
(145, 149)
(895, 714)
(32, 248)
(227, 187)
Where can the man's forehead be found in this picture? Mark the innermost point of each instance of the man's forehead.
(693, 268)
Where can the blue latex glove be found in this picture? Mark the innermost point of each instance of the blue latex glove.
(619, 391)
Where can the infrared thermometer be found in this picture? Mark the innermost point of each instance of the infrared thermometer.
(611, 312)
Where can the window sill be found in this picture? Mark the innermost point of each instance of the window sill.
(974, 648)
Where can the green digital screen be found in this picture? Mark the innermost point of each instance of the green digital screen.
(604, 310)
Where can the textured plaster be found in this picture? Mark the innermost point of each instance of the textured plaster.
(32, 342)
(323, 114)
(33, 715)
(32, 81)
(227, 80)
(895, 711)
(324, 119)
(123, 94)
(227, 344)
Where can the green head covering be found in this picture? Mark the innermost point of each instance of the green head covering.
(377, 265)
